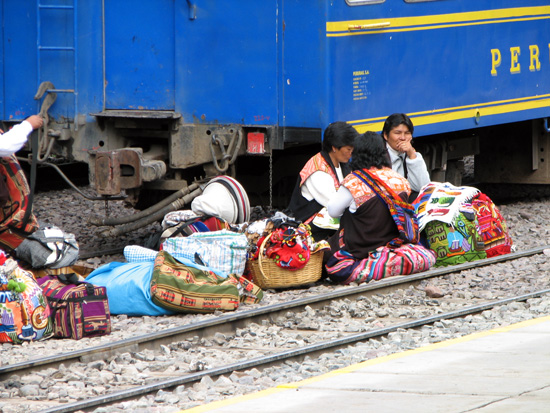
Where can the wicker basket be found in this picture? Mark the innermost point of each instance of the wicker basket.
(267, 274)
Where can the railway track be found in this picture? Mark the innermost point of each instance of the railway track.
(229, 323)
(283, 356)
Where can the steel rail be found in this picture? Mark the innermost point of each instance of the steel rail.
(264, 361)
(228, 322)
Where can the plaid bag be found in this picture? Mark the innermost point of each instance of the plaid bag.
(79, 309)
(222, 251)
(190, 288)
(24, 311)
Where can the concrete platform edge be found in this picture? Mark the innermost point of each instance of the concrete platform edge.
(352, 368)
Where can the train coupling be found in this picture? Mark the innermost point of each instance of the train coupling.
(122, 169)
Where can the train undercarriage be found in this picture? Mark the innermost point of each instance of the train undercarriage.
(142, 153)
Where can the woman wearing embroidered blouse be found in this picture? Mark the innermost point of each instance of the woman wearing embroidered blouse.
(321, 177)
(360, 249)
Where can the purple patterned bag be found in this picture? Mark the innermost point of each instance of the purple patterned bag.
(79, 309)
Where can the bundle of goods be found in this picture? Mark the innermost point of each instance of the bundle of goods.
(24, 311)
(128, 284)
(158, 283)
(283, 253)
(79, 309)
(223, 251)
(194, 266)
(186, 222)
(224, 197)
(202, 272)
(48, 247)
(183, 286)
(460, 224)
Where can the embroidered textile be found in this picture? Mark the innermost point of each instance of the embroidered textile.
(288, 247)
(457, 242)
(403, 213)
(362, 193)
(12, 230)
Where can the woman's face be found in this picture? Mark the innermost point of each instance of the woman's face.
(342, 154)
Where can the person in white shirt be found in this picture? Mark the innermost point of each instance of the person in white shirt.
(320, 177)
(405, 160)
(14, 139)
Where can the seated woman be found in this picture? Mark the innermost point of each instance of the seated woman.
(321, 176)
(367, 246)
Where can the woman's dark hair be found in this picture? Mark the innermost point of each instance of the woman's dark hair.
(395, 120)
(338, 134)
(370, 150)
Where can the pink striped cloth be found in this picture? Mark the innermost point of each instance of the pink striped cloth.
(383, 262)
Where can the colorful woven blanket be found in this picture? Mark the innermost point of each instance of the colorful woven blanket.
(440, 201)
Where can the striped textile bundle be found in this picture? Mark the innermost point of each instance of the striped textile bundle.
(79, 309)
(239, 196)
(492, 226)
(383, 262)
(14, 202)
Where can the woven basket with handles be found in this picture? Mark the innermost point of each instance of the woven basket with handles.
(267, 274)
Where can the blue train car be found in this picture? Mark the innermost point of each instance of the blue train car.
(156, 93)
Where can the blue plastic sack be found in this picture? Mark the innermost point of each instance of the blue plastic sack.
(128, 288)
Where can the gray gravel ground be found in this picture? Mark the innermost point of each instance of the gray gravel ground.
(527, 221)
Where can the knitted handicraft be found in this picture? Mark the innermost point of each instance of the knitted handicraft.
(288, 247)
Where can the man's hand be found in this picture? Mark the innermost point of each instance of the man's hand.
(36, 121)
(405, 146)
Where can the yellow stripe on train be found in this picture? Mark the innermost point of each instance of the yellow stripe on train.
(402, 24)
(451, 114)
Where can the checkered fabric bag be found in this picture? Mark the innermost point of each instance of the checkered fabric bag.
(222, 251)
(136, 253)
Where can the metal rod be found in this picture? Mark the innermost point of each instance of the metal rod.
(96, 220)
